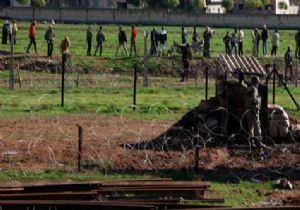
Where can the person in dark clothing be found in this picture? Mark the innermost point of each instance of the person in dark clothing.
(32, 37)
(5, 32)
(183, 35)
(240, 37)
(207, 36)
(49, 37)
(100, 38)
(89, 38)
(186, 58)
(297, 40)
(163, 37)
(288, 63)
(122, 41)
(264, 37)
(227, 41)
(234, 42)
(154, 42)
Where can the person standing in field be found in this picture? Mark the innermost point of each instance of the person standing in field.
(100, 38)
(207, 36)
(240, 40)
(49, 37)
(233, 42)
(154, 42)
(163, 37)
(275, 43)
(122, 41)
(183, 35)
(133, 40)
(5, 29)
(264, 38)
(14, 31)
(288, 58)
(186, 58)
(297, 39)
(32, 37)
(64, 47)
(227, 40)
(195, 38)
(255, 42)
(89, 38)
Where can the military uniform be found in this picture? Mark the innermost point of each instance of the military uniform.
(253, 105)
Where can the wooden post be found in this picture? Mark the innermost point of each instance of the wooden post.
(296, 76)
(274, 83)
(134, 86)
(11, 72)
(64, 58)
(145, 59)
(197, 158)
(80, 137)
(206, 83)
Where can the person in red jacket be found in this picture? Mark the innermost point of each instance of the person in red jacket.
(32, 36)
(133, 40)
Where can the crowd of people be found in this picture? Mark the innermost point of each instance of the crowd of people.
(234, 42)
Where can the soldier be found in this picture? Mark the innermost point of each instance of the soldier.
(100, 39)
(89, 37)
(49, 37)
(253, 105)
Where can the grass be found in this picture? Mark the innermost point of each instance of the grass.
(77, 34)
(154, 102)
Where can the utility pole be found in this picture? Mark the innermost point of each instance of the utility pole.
(145, 59)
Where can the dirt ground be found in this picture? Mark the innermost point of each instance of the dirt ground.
(51, 143)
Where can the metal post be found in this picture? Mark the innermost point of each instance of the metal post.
(206, 83)
(145, 59)
(197, 158)
(134, 86)
(11, 72)
(64, 57)
(274, 83)
(80, 137)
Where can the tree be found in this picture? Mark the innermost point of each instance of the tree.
(173, 3)
(36, 3)
(163, 3)
(265, 2)
(228, 4)
(153, 3)
(199, 4)
(253, 4)
(282, 5)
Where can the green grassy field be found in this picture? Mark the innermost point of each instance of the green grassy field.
(105, 94)
(77, 34)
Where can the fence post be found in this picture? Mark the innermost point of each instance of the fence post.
(64, 58)
(80, 137)
(11, 72)
(134, 86)
(206, 83)
(274, 83)
(145, 59)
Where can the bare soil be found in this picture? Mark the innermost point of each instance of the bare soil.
(51, 143)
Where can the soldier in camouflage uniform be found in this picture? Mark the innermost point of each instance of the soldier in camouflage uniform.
(253, 105)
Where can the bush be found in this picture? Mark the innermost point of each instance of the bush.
(282, 5)
(228, 4)
(253, 4)
(199, 4)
